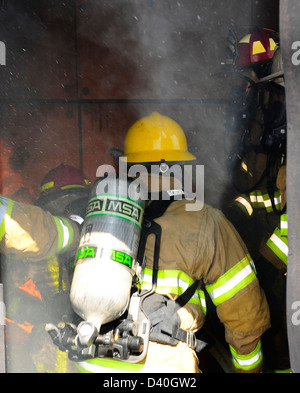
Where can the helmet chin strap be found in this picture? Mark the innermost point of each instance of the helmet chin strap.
(162, 186)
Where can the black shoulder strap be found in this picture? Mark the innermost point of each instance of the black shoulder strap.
(154, 210)
(187, 294)
(157, 208)
(167, 327)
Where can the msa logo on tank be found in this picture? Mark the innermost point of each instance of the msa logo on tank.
(96, 252)
(116, 206)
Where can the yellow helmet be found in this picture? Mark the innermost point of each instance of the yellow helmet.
(156, 138)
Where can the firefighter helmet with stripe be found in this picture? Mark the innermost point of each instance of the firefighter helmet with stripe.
(64, 190)
(255, 47)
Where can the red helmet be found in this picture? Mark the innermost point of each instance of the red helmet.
(63, 177)
(64, 191)
(256, 47)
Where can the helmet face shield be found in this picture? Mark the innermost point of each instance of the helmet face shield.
(65, 202)
(276, 73)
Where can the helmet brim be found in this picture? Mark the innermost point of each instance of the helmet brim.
(56, 202)
(159, 156)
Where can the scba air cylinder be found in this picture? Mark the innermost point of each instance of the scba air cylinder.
(106, 257)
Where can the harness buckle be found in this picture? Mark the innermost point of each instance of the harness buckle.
(191, 340)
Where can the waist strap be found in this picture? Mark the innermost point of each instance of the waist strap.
(165, 323)
(190, 339)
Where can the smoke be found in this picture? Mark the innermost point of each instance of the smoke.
(152, 55)
(174, 46)
(167, 56)
(161, 55)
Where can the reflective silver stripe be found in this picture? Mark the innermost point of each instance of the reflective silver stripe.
(6, 206)
(233, 281)
(249, 361)
(76, 218)
(279, 243)
(246, 204)
(264, 200)
(284, 224)
(3, 208)
(171, 281)
(66, 233)
(277, 200)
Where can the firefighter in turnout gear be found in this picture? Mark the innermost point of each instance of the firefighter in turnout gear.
(259, 210)
(37, 289)
(197, 247)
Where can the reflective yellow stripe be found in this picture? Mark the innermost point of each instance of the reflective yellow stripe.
(53, 267)
(257, 48)
(45, 186)
(247, 362)
(175, 282)
(284, 224)
(103, 365)
(272, 44)
(72, 186)
(6, 206)
(202, 300)
(259, 200)
(65, 233)
(231, 282)
(51, 184)
(279, 245)
(245, 39)
(246, 204)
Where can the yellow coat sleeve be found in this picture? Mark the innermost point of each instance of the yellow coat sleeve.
(29, 232)
(230, 279)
